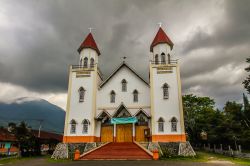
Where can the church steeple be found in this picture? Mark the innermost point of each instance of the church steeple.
(161, 37)
(161, 48)
(89, 52)
(89, 42)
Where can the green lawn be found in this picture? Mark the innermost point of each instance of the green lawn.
(13, 160)
(206, 157)
(201, 157)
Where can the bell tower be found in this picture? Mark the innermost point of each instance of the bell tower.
(165, 89)
(84, 78)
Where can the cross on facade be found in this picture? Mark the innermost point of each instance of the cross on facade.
(124, 58)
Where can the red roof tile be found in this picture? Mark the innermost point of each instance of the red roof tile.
(5, 135)
(47, 135)
(89, 42)
(161, 37)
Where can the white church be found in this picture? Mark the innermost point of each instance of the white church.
(124, 107)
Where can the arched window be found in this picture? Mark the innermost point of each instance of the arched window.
(135, 94)
(124, 85)
(163, 58)
(161, 124)
(85, 63)
(92, 62)
(85, 126)
(174, 124)
(165, 91)
(81, 92)
(73, 126)
(80, 62)
(169, 60)
(112, 97)
(156, 59)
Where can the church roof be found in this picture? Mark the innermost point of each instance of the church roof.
(89, 42)
(122, 65)
(161, 37)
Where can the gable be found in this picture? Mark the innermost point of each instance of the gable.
(123, 65)
(114, 84)
(122, 112)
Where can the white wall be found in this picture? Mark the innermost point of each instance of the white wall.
(166, 108)
(81, 110)
(89, 53)
(133, 82)
(160, 48)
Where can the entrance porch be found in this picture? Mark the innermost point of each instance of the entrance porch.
(123, 127)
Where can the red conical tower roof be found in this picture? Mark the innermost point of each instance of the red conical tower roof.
(161, 37)
(89, 42)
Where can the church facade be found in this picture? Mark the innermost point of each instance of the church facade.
(124, 107)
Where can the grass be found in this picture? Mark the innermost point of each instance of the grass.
(200, 157)
(14, 159)
(50, 160)
(206, 157)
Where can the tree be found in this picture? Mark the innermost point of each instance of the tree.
(196, 113)
(246, 111)
(28, 143)
(246, 82)
(229, 126)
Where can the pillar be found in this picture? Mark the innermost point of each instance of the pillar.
(133, 131)
(114, 136)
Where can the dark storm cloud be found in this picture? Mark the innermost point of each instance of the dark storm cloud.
(231, 31)
(227, 44)
(43, 37)
(39, 39)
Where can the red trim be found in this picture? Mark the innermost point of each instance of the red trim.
(169, 138)
(79, 139)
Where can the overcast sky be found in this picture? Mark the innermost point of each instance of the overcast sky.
(39, 40)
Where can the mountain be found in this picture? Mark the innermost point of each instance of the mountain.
(33, 111)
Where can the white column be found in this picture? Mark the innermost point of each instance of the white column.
(114, 129)
(133, 129)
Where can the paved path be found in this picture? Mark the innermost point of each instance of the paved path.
(44, 162)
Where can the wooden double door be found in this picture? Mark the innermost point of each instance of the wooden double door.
(124, 133)
(139, 133)
(107, 134)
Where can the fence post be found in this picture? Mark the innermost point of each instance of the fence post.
(239, 148)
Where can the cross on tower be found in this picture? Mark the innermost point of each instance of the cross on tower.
(90, 29)
(160, 24)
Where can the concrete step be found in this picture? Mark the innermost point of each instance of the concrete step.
(118, 151)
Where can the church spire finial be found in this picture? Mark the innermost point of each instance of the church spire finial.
(90, 29)
(124, 58)
(160, 24)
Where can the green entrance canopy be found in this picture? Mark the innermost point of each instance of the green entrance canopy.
(124, 120)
